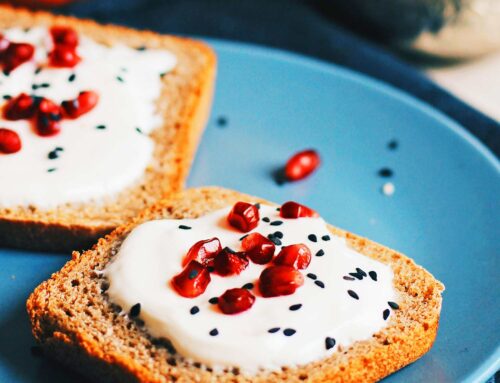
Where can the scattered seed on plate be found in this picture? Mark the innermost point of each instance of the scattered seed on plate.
(289, 331)
(213, 300)
(356, 275)
(51, 170)
(72, 77)
(320, 253)
(184, 227)
(38, 70)
(373, 275)
(329, 343)
(325, 238)
(276, 223)
(278, 234)
(312, 238)
(352, 294)
(222, 121)
(274, 240)
(135, 310)
(163, 74)
(273, 330)
(320, 284)
(194, 310)
(139, 130)
(7, 97)
(214, 332)
(345, 277)
(360, 272)
(393, 305)
(385, 173)
(248, 286)
(242, 238)
(295, 307)
(266, 219)
(386, 314)
(312, 276)
(392, 145)
(101, 127)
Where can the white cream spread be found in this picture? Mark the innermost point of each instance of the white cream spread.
(152, 253)
(95, 162)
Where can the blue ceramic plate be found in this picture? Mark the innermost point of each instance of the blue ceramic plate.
(444, 212)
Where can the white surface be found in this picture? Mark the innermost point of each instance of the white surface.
(152, 254)
(95, 163)
(476, 82)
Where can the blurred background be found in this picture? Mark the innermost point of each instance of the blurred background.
(445, 52)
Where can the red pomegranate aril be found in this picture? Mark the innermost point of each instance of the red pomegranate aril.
(235, 301)
(229, 262)
(19, 108)
(85, 102)
(244, 216)
(192, 281)
(48, 119)
(279, 280)
(258, 248)
(9, 141)
(66, 36)
(297, 256)
(16, 54)
(301, 165)
(203, 252)
(292, 209)
(63, 57)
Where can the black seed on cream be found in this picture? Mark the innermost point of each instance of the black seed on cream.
(248, 286)
(278, 234)
(141, 48)
(214, 332)
(119, 78)
(274, 240)
(360, 272)
(320, 253)
(72, 77)
(312, 276)
(139, 130)
(329, 343)
(393, 305)
(50, 170)
(320, 284)
(325, 238)
(7, 96)
(193, 274)
(54, 154)
(312, 238)
(295, 307)
(386, 314)
(163, 74)
(184, 227)
(289, 331)
(356, 275)
(373, 275)
(278, 209)
(101, 127)
(276, 223)
(213, 300)
(352, 294)
(194, 310)
(135, 310)
(345, 277)
(38, 70)
(273, 330)
(242, 238)
(266, 219)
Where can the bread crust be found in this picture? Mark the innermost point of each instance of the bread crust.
(82, 341)
(185, 104)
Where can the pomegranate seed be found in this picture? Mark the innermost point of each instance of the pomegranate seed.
(192, 281)
(63, 57)
(292, 209)
(279, 280)
(234, 301)
(297, 256)
(229, 262)
(301, 165)
(258, 248)
(203, 252)
(17, 54)
(9, 141)
(84, 103)
(19, 108)
(66, 36)
(244, 216)
(48, 118)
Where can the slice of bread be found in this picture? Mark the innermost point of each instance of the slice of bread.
(184, 105)
(75, 324)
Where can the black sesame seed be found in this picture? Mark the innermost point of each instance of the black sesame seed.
(360, 272)
(194, 310)
(184, 227)
(50, 170)
(163, 74)
(53, 155)
(248, 286)
(7, 96)
(193, 274)
(295, 307)
(312, 276)
(222, 121)
(119, 78)
(59, 149)
(141, 48)
(320, 253)
(213, 300)
(312, 238)
(242, 238)
(6, 72)
(276, 223)
(352, 294)
(135, 310)
(356, 275)
(138, 130)
(274, 240)
(373, 275)
(278, 234)
(289, 331)
(266, 219)
(257, 205)
(101, 127)
(329, 343)
(273, 330)
(345, 277)
(320, 284)
(325, 238)
(278, 209)
(38, 70)
(72, 77)
(392, 145)
(393, 305)
(214, 332)
(386, 314)
(385, 173)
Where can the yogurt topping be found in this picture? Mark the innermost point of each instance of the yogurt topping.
(105, 150)
(331, 308)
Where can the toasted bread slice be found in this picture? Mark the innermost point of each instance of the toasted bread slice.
(184, 106)
(74, 322)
